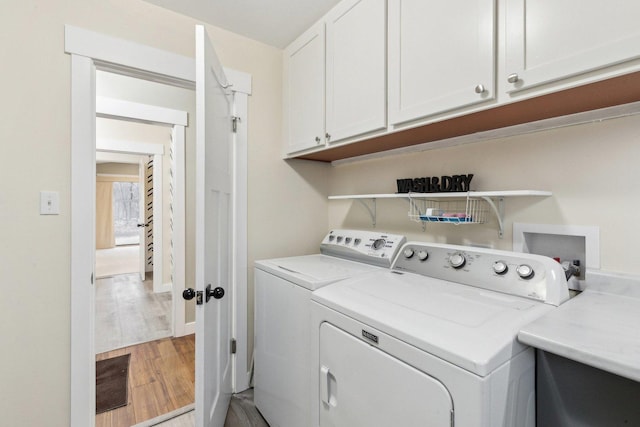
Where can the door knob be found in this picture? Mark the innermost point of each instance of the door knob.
(217, 293)
(513, 78)
(188, 294)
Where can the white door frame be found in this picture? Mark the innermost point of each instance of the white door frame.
(89, 50)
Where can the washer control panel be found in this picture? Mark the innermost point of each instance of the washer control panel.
(371, 247)
(527, 275)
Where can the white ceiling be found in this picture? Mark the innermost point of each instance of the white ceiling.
(274, 22)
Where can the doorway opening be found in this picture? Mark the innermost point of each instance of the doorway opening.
(90, 51)
(132, 305)
(136, 311)
(120, 215)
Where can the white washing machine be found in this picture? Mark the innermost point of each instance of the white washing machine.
(433, 341)
(283, 286)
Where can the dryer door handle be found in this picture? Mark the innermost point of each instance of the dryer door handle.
(328, 387)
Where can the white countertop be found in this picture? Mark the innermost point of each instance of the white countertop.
(597, 328)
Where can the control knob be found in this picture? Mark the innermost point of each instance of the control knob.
(408, 253)
(525, 271)
(500, 267)
(356, 242)
(339, 239)
(423, 255)
(378, 243)
(457, 260)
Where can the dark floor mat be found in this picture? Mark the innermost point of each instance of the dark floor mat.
(112, 383)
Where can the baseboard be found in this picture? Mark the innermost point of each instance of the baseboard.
(165, 287)
(167, 417)
(190, 328)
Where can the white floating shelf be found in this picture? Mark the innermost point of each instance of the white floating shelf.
(487, 196)
(459, 195)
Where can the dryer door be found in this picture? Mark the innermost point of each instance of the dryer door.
(362, 386)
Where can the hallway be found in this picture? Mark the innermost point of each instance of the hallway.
(128, 312)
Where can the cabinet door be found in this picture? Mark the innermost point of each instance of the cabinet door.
(362, 386)
(441, 56)
(547, 40)
(304, 90)
(356, 61)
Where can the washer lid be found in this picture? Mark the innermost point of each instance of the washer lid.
(470, 327)
(314, 271)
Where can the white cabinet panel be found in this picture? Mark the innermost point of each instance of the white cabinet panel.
(441, 56)
(282, 351)
(547, 40)
(362, 386)
(356, 62)
(303, 84)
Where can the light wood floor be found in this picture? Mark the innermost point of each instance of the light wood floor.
(117, 260)
(161, 380)
(128, 312)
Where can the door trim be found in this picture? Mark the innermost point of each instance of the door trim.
(90, 50)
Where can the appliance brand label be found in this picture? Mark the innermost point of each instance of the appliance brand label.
(370, 336)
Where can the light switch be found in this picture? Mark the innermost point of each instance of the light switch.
(49, 203)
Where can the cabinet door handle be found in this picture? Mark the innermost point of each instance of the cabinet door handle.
(317, 140)
(480, 89)
(326, 135)
(513, 78)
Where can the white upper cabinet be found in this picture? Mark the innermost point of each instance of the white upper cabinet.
(441, 56)
(335, 88)
(356, 64)
(549, 40)
(303, 85)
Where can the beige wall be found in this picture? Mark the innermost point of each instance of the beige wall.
(591, 169)
(35, 130)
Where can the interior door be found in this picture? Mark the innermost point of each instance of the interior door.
(142, 230)
(213, 236)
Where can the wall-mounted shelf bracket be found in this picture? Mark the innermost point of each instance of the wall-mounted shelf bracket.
(371, 209)
(498, 211)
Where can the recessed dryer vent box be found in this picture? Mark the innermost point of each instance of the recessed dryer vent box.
(566, 242)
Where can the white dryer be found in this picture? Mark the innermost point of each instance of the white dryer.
(283, 286)
(433, 341)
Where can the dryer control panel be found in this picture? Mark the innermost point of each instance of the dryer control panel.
(371, 247)
(527, 275)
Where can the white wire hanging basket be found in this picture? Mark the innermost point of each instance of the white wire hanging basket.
(460, 211)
